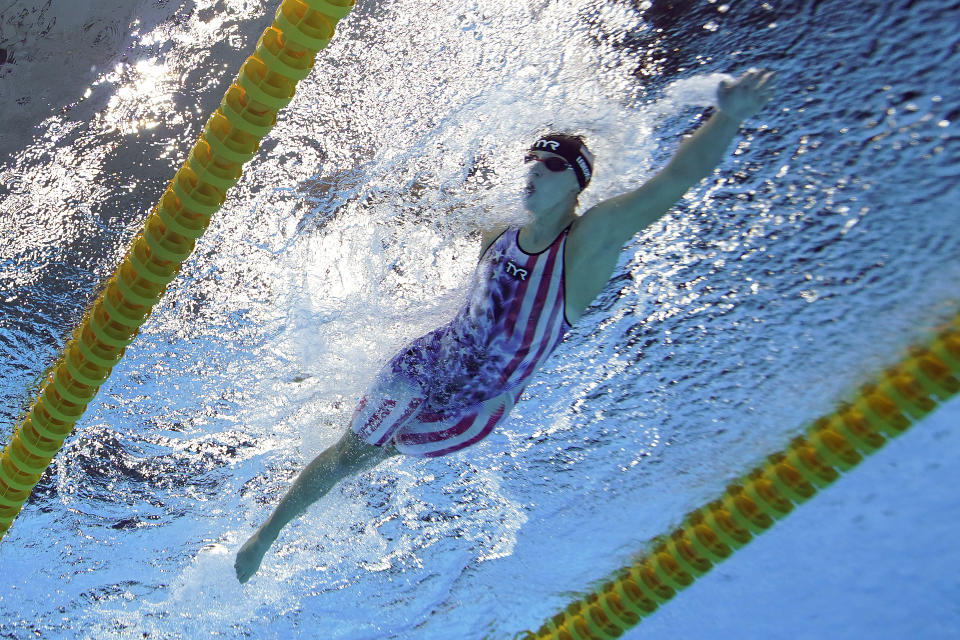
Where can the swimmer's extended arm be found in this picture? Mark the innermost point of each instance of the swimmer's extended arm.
(595, 240)
(613, 222)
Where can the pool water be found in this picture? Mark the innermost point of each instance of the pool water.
(825, 244)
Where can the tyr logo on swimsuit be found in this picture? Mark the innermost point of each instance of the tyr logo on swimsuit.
(516, 271)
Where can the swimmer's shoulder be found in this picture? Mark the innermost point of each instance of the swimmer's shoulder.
(489, 236)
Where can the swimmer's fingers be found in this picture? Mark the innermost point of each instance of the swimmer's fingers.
(747, 94)
(765, 83)
(763, 89)
(744, 82)
(757, 78)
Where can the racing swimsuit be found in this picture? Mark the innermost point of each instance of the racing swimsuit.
(449, 388)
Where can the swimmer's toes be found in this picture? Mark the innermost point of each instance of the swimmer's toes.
(248, 561)
(244, 574)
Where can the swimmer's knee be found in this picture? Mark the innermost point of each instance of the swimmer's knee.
(355, 451)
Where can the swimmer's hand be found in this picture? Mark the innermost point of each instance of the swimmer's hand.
(743, 97)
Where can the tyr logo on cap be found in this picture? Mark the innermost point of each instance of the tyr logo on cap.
(573, 150)
(551, 144)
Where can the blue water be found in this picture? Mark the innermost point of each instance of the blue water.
(825, 244)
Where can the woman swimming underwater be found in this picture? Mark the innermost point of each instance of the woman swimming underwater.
(450, 388)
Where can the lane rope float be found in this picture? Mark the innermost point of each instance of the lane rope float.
(883, 409)
(284, 55)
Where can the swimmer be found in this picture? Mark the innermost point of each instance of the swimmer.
(450, 388)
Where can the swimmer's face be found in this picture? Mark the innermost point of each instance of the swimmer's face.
(550, 180)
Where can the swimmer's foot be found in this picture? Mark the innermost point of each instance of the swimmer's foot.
(250, 556)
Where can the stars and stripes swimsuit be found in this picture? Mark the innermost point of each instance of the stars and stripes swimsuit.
(449, 389)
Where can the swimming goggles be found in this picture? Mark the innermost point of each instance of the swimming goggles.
(552, 163)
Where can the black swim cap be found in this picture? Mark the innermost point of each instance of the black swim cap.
(573, 150)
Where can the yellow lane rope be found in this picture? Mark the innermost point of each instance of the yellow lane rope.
(266, 83)
(883, 409)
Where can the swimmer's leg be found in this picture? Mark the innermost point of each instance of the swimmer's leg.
(349, 456)
(390, 403)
